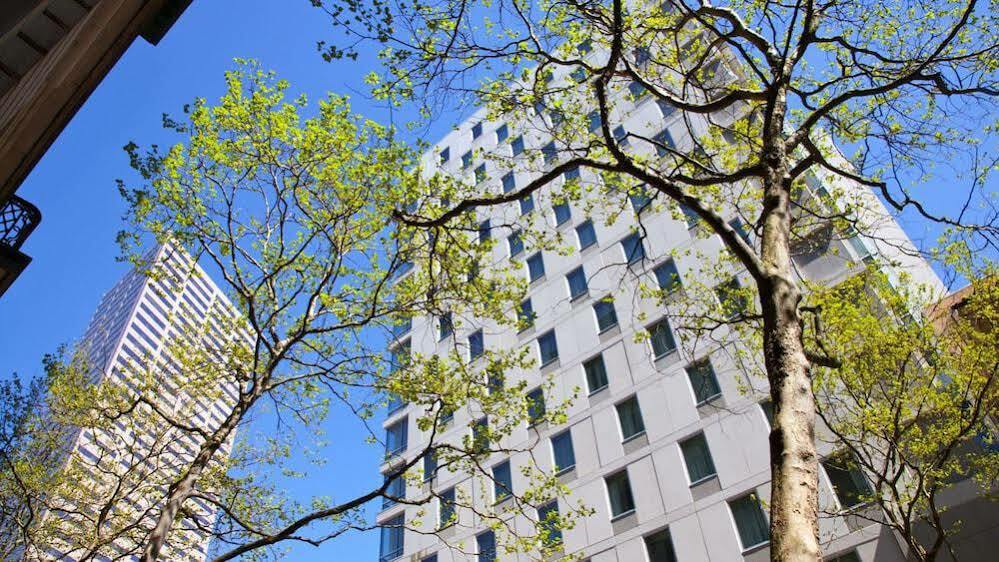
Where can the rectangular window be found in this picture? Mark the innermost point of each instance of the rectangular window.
(480, 434)
(486, 543)
(485, 231)
(525, 314)
(596, 374)
(502, 132)
(619, 494)
(661, 337)
(703, 381)
(740, 228)
(578, 75)
(392, 533)
(495, 381)
(445, 326)
(659, 547)
(429, 466)
(480, 173)
(731, 298)
(586, 234)
(562, 451)
(515, 243)
(577, 283)
(633, 250)
(606, 315)
(665, 108)
(535, 406)
(395, 491)
(593, 121)
(620, 135)
(548, 347)
(629, 415)
(636, 90)
(571, 174)
(642, 55)
(396, 437)
(750, 521)
(502, 481)
(445, 155)
(401, 327)
(562, 213)
(509, 182)
(446, 511)
(640, 199)
(847, 480)
(401, 356)
(466, 159)
(536, 267)
(548, 524)
(476, 345)
(394, 404)
(664, 142)
(549, 152)
(476, 130)
(431, 558)
(526, 204)
(517, 145)
(667, 276)
(697, 457)
(690, 216)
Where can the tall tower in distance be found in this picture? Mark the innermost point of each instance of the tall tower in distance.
(126, 464)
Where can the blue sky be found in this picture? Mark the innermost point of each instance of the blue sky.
(74, 185)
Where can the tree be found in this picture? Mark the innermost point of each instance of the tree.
(293, 215)
(764, 92)
(912, 405)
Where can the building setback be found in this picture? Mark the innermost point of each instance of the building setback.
(131, 333)
(669, 445)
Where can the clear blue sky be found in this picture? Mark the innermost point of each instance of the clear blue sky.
(74, 185)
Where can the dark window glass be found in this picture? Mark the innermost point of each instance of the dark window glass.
(535, 406)
(577, 282)
(445, 155)
(667, 276)
(486, 543)
(750, 521)
(740, 228)
(571, 174)
(703, 381)
(392, 533)
(495, 381)
(562, 451)
(689, 216)
(665, 108)
(515, 243)
(466, 159)
(476, 344)
(593, 120)
(525, 314)
(847, 480)
(661, 336)
(637, 90)
(480, 173)
(633, 249)
(517, 145)
(640, 199)
(502, 481)
(396, 490)
(731, 298)
(548, 524)
(394, 404)
(585, 46)
(526, 204)
(562, 213)
(396, 437)
(697, 457)
(642, 55)
(578, 75)
(659, 546)
(429, 466)
(596, 374)
(548, 347)
(586, 234)
(480, 434)
(619, 493)
(536, 267)
(476, 130)
(664, 142)
(485, 231)
(509, 182)
(629, 414)
(620, 134)
(446, 508)
(400, 356)
(606, 315)
(768, 411)
(431, 558)
(549, 152)
(445, 326)
(502, 133)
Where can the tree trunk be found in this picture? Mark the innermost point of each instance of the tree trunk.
(793, 462)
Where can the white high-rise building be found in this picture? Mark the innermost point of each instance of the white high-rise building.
(127, 464)
(668, 442)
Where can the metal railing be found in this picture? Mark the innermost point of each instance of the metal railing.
(18, 219)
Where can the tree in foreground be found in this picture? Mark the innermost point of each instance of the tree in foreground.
(293, 216)
(912, 406)
(755, 97)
